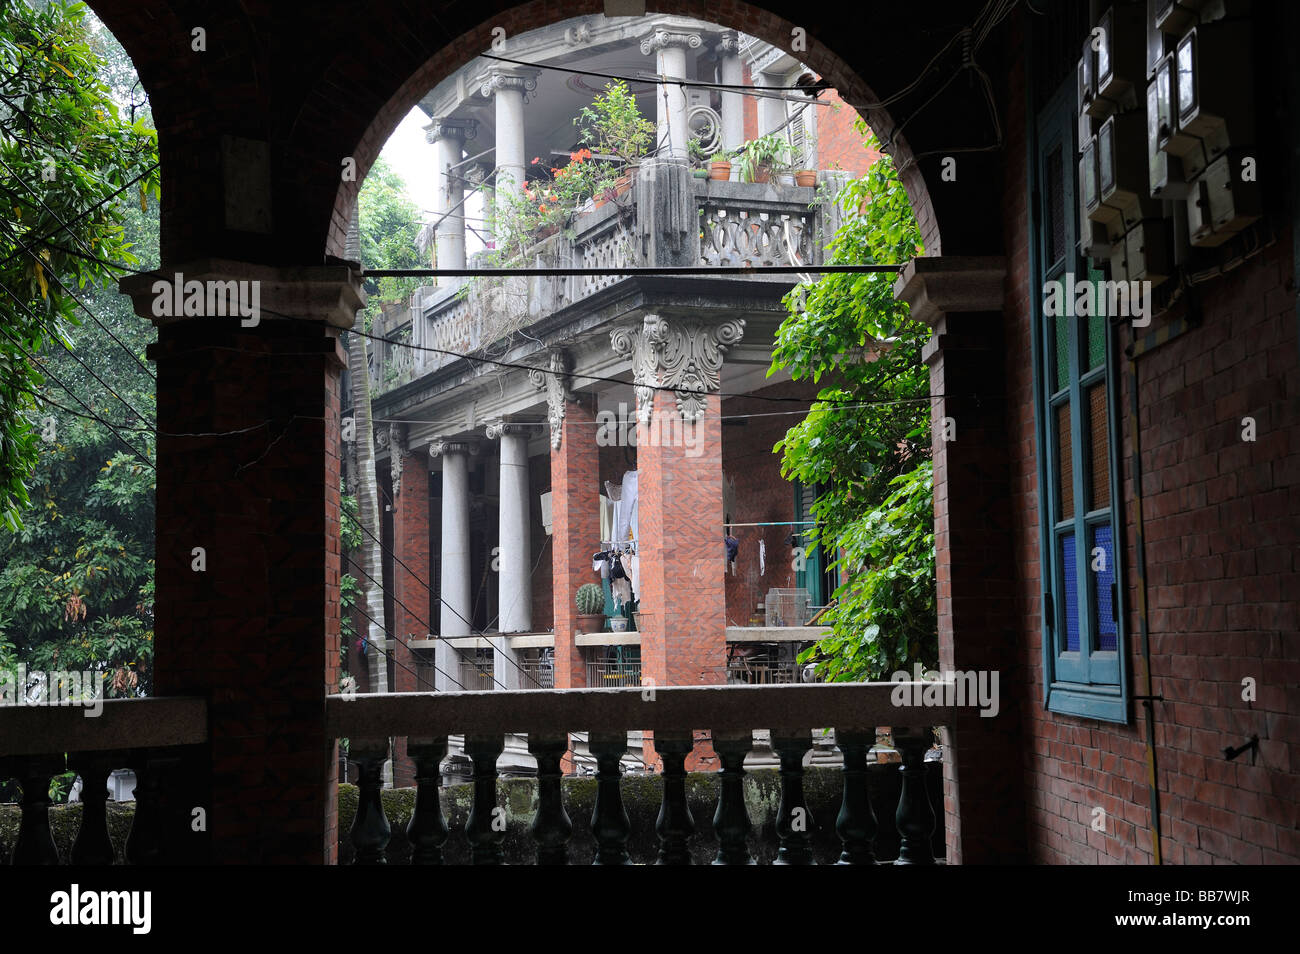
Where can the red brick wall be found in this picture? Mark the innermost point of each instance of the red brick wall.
(762, 495)
(576, 515)
(839, 145)
(1221, 530)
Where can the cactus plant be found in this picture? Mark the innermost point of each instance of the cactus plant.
(590, 599)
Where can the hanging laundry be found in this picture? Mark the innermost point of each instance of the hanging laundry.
(625, 527)
(762, 557)
(733, 547)
(622, 590)
(632, 564)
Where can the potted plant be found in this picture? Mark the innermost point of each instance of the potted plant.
(614, 127)
(763, 156)
(720, 166)
(698, 158)
(590, 600)
(806, 178)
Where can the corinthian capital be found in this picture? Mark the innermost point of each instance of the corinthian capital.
(684, 356)
(662, 39)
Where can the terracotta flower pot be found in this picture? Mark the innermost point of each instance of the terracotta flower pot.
(806, 177)
(719, 171)
(591, 622)
(762, 174)
(623, 183)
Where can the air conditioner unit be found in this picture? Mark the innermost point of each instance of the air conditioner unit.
(1175, 16)
(1214, 91)
(1169, 136)
(1121, 53)
(1221, 204)
(1121, 177)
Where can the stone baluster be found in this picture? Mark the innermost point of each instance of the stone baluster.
(485, 827)
(551, 826)
(675, 824)
(856, 824)
(610, 825)
(793, 820)
(915, 817)
(35, 845)
(370, 827)
(427, 829)
(731, 821)
(93, 845)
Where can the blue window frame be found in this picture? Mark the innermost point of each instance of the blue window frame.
(1084, 666)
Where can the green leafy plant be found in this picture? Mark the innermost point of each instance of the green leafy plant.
(764, 157)
(613, 125)
(866, 439)
(590, 599)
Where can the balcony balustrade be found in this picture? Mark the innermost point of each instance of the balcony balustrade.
(674, 716)
(739, 224)
(155, 736)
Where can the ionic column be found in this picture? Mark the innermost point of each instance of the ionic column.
(449, 136)
(733, 104)
(670, 100)
(515, 594)
(771, 110)
(507, 88)
(455, 580)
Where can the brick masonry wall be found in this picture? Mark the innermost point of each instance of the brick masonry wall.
(1221, 533)
(761, 495)
(576, 516)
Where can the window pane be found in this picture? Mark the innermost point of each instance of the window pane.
(1096, 341)
(1100, 447)
(1064, 461)
(1070, 592)
(1054, 174)
(1062, 352)
(1103, 558)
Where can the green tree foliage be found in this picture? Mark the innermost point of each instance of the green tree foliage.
(65, 147)
(390, 229)
(76, 557)
(866, 439)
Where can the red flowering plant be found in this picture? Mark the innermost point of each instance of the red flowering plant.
(547, 201)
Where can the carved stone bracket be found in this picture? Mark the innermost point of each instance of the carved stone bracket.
(728, 44)
(683, 356)
(452, 127)
(397, 454)
(662, 39)
(559, 391)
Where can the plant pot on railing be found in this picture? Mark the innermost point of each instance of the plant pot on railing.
(591, 622)
(806, 178)
(590, 601)
(719, 170)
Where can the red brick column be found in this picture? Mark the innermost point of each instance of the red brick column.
(250, 621)
(960, 298)
(410, 585)
(682, 555)
(575, 530)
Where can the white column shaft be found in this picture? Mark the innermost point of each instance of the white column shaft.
(771, 110)
(449, 195)
(516, 595)
(455, 585)
(733, 104)
(671, 101)
(510, 138)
